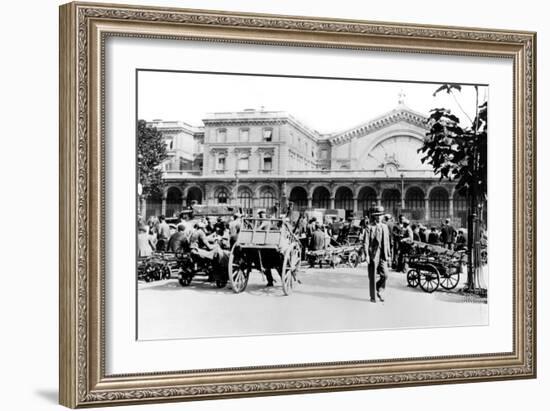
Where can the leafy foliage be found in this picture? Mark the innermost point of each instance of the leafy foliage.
(456, 153)
(151, 151)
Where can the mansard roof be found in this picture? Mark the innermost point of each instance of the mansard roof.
(400, 113)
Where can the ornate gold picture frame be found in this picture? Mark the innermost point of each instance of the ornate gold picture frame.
(84, 29)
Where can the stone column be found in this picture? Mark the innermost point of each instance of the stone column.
(379, 201)
(143, 207)
(355, 207)
(427, 207)
(332, 206)
(310, 202)
(451, 208)
(283, 200)
(163, 206)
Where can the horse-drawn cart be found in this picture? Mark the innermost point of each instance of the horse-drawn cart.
(431, 266)
(158, 266)
(334, 256)
(264, 244)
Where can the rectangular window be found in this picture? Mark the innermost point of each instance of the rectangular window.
(222, 135)
(268, 163)
(243, 136)
(268, 134)
(324, 154)
(221, 163)
(243, 163)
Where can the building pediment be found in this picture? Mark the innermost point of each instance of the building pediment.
(399, 115)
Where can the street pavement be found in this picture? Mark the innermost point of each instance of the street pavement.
(326, 300)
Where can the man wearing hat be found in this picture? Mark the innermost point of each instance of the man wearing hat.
(265, 224)
(448, 234)
(378, 253)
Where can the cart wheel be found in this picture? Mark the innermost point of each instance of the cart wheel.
(412, 278)
(450, 278)
(166, 273)
(429, 279)
(185, 280)
(290, 266)
(353, 259)
(157, 274)
(238, 273)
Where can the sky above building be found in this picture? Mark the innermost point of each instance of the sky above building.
(325, 105)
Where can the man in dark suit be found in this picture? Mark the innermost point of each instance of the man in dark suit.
(448, 234)
(378, 252)
(178, 240)
(317, 238)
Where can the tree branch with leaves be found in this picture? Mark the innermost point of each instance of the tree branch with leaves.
(459, 153)
(151, 152)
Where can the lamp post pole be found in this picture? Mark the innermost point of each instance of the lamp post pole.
(402, 191)
(236, 186)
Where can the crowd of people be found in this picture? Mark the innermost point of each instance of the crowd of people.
(156, 234)
(317, 235)
(211, 237)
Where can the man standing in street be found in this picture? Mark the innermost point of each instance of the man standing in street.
(163, 234)
(448, 234)
(317, 238)
(377, 248)
(178, 240)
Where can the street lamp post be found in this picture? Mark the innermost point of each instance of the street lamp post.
(235, 195)
(402, 191)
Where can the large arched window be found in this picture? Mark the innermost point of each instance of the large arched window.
(415, 203)
(298, 196)
(391, 201)
(222, 196)
(321, 198)
(267, 198)
(366, 199)
(461, 207)
(245, 200)
(414, 198)
(174, 200)
(194, 196)
(343, 199)
(154, 205)
(439, 203)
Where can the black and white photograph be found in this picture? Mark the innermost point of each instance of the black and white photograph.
(278, 204)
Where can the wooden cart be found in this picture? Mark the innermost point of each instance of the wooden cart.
(264, 244)
(431, 266)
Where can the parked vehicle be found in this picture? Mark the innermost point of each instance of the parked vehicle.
(431, 267)
(210, 265)
(264, 244)
(155, 267)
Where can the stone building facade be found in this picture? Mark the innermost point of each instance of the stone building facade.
(264, 159)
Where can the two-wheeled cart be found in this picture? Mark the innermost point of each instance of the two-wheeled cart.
(264, 244)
